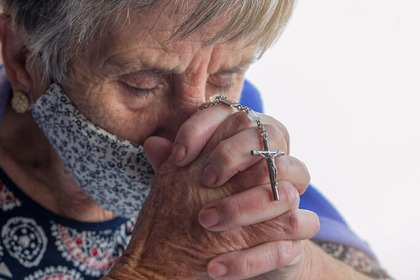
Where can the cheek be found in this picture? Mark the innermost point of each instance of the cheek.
(104, 106)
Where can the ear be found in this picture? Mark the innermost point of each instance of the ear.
(14, 55)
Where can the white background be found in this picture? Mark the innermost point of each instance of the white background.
(345, 80)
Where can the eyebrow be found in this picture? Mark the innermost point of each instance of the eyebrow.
(140, 66)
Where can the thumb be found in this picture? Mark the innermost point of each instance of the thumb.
(157, 150)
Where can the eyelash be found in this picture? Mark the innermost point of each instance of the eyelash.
(146, 93)
(142, 92)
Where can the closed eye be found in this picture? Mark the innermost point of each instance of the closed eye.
(141, 92)
(143, 83)
(222, 82)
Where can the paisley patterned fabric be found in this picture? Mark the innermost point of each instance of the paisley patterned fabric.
(355, 258)
(114, 172)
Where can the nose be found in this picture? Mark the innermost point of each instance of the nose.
(190, 86)
(187, 95)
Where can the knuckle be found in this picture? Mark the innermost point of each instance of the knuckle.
(242, 267)
(279, 252)
(284, 251)
(294, 169)
(289, 224)
(240, 119)
(247, 267)
(225, 153)
(250, 266)
(291, 196)
(276, 137)
(294, 222)
(282, 167)
(189, 130)
(278, 126)
(235, 212)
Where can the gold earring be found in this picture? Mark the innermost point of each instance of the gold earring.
(20, 102)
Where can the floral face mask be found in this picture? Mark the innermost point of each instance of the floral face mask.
(114, 172)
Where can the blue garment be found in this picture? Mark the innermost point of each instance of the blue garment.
(250, 97)
(4, 90)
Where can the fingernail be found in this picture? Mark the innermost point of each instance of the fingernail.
(178, 152)
(209, 175)
(209, 217)
(217, 269)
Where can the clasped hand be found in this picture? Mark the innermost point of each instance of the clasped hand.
(210, 212)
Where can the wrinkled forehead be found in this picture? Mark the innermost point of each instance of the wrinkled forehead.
(143, 38)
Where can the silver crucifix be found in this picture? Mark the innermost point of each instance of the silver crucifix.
(266, 153)
(272, 168)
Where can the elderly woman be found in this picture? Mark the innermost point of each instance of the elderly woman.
(100, 97)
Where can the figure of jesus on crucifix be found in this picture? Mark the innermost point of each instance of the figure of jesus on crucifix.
(270, 156)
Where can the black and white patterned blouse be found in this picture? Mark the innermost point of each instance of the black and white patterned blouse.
(38, 244)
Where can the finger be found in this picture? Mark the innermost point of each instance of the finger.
(157, 150)
(270, 120)
(296, 224)
(289, 169)
(255, 206)
(254, 261)
(248, 207)
(194, 134)
(239, 121)
(233, 154)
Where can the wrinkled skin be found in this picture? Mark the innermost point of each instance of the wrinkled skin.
(170, 243)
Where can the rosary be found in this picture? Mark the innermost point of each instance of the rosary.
(265, 153)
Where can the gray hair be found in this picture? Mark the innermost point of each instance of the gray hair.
(57, 30)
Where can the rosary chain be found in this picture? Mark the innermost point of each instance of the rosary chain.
(218, 99)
